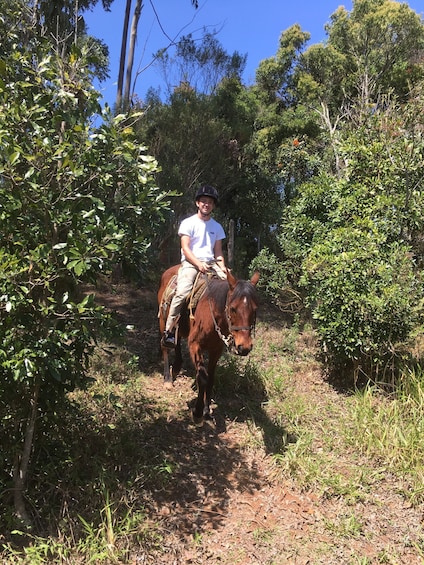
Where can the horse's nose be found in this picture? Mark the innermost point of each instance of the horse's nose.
(243, 349)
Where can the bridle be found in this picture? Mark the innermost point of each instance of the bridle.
(229, 340)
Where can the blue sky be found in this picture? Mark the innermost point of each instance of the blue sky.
(251, 27)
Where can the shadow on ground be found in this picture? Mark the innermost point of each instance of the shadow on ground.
(187, 473)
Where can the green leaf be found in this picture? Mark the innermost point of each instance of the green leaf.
(14, 157)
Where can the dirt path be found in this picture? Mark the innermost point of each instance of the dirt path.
(222, 498)
(226, 504)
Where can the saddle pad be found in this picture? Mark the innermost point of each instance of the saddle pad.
(169, 292)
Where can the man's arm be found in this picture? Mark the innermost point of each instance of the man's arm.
(218, 254)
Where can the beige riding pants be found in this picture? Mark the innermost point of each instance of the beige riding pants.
(187, 274)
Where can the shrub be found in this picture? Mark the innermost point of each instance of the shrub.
(364, 296)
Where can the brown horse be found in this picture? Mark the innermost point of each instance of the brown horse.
(224, 316)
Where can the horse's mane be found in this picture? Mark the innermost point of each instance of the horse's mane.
(218, 290)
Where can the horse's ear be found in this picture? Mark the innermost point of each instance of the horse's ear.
(255, 278)
(232, 281)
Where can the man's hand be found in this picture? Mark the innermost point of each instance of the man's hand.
(203, 268)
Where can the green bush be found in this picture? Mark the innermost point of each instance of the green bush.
(274, 281)
(363, 295)
(73, 202)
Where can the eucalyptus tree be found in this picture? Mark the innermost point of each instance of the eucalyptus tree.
(126, 59)
(374, 50)
(202, 64)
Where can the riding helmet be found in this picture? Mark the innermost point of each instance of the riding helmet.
(207, 190)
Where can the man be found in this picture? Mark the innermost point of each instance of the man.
(201, 242)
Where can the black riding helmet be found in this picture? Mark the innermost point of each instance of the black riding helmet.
(207, 190)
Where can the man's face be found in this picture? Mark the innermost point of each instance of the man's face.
(205, 205)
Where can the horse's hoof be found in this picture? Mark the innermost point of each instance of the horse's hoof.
(196, 420)
(209, 419)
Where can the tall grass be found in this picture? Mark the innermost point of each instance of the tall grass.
(109, 539)
(372, 432)
(392, 428)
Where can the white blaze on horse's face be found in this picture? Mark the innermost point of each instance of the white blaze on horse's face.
(241, 313)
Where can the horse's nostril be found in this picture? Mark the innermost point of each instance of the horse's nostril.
(242, 350)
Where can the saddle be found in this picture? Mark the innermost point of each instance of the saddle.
(198, 289)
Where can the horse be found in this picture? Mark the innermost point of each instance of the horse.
(225, 315)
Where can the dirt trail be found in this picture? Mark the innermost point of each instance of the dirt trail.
(225, 501)
(226, 504)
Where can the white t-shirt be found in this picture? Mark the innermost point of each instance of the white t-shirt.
(203, 236)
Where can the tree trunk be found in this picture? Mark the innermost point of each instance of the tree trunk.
(131, 50)
(123, 100)
(332, 131)
(22, 463)
(76, 11)
(230, 245)
(123, 56)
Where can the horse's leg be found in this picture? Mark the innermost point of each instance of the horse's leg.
(171, 373)
(201, 379)
(167, 377)
(214, 356)
(178, 360)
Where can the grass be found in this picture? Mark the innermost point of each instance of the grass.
(108, 540)
(110, 449)
(348, 526)
(387, 429)
(392, 429)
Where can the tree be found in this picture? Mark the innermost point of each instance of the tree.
(353, 244)
(287, 131)
(350, 239)
(73, 201)
(130, 60)
(383, 44)
(206, 138)
(123, 55)
(62, 23)
(375, 49)
(126, 62)
(201, 64)
(193, 148)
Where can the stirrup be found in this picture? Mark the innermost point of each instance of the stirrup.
(169, 340)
